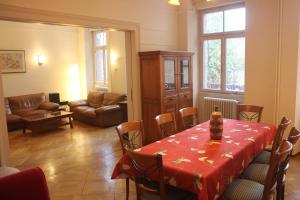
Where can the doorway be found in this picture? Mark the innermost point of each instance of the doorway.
(131, 31)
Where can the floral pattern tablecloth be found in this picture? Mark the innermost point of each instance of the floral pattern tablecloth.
(194, 162)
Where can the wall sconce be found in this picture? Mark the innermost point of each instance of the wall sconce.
(40, 59)
(174, 2)
(114, 57)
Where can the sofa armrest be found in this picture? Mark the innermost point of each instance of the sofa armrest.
(74, 104)
(49, 106)
(106, 109)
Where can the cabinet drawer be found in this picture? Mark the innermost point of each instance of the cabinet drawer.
(170, 104)
(185, 100)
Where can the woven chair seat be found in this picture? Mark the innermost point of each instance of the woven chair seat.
(263, 158)
(242, 189)
(256, 172)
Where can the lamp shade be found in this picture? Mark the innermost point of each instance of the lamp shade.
(174, 2)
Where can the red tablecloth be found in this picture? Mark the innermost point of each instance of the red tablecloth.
(195, 163)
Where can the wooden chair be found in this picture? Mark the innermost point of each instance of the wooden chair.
(258, 171)
(148, 168)
(188, 117)
(265, 156)
(251, 190)
(292, 138)
(130, 141)
(249, 112)
(166, 124)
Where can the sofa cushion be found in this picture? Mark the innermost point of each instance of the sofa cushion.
(49, 106)
(13, 118)
(26, 102)
(24, 113)
(7, 108)
(86, 111)
(73, 104)
(95, 99)
(107, 108)
(112, 98)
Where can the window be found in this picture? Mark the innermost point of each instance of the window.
(101, 58)
(223, 49)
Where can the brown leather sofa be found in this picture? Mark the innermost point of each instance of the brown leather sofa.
(19, 106)
(100, 109)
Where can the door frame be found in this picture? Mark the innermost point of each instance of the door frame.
(132, 39)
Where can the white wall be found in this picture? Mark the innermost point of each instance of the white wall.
(61, 47)
(118, 66)
(86, 61)
(157, 19)
(58, 44)
(261, 55)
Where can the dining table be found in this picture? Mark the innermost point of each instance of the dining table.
(192, 161)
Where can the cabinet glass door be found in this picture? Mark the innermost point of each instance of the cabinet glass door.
(185, 73)
(169, 70)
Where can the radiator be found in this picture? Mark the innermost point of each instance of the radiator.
(226, 106)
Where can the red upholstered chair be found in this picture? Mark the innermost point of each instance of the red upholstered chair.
(29, 184)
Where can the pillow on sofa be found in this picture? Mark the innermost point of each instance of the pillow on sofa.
(7, 108)
(112, 98)
(95, 99)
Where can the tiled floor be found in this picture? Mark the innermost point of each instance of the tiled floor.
(78, 163)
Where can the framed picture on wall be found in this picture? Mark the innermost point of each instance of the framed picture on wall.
(12, 61)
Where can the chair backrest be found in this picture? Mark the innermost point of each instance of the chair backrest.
(249, 112)
(276, 161)
(294, 135)
(279, 134)
(29, 184)
(147, 168)
(131, 135)
(188, 117)
(166, 124)
(292, 138)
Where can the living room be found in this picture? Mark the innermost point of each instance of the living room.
(78, 162)
(60, 59)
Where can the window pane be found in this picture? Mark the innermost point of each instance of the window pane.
(213, 22)
(99, 66)
(185, 73)
(235, 64)
(105, 67)
(235, 19)
(212, 64)
(169, 74)
(101, 39)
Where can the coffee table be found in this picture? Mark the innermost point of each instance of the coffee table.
(43, 122)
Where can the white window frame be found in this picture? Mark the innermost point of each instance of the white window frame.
(222, 36)
(99, 84)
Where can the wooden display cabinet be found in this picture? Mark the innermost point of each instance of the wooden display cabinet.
(166, 84)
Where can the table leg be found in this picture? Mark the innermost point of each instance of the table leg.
(70, 122)
(24, 128)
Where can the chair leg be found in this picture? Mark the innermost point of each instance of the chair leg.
(127, 188)
(280, 191)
